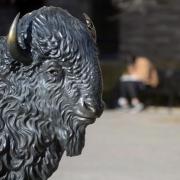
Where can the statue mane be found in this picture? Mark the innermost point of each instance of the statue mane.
(46, 104)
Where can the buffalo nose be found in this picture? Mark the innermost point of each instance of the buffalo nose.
(90, 108)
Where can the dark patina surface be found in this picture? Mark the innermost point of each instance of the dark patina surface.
(50, 90)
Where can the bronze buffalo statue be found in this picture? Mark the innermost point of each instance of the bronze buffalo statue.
(50, 90)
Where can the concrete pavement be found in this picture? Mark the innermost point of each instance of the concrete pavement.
(127, 146)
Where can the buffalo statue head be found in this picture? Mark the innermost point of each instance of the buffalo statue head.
(51, 90)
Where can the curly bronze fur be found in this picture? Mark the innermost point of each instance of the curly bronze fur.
(45, 106)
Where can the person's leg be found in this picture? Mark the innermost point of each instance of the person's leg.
(123, 101)
(134, 89)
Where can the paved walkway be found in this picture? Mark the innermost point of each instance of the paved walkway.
(126, 146)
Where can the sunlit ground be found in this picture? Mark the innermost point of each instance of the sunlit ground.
(128, 146)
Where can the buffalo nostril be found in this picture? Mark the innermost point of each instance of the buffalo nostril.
(94, 109)
(89, 106)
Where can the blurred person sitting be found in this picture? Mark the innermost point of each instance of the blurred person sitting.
(138, 75)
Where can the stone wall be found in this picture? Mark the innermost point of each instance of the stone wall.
(154, 32)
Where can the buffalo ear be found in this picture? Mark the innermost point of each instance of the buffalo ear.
(16, 51)
(90, 25)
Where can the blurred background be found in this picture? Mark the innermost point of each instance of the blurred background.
(125, 146)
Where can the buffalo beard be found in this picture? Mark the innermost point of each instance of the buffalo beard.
(71, 134)
(76, 142)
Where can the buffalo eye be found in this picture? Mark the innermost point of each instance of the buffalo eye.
(53, 72)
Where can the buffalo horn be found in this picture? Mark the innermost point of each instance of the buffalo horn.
(16, 51)
(90, 25)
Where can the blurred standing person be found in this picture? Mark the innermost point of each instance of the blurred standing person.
(139, 74)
